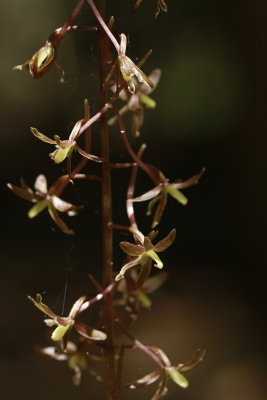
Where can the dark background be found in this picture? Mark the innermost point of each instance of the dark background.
(210, 112)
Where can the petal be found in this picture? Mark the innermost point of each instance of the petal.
(60, 223)
(147, 101)
(142, 78)
(42, 137)
(76, 129)
(63, 144)
(161, 391)
(40, 184)
(59, 155)
(161, 354)
(153, 283)
(131, 249)
(178, 378)
(146, 380)
(88, 332)
(59, 332)
(144, 300)
(22, 192)
(188, 365)
(41, 306)
(62, 205)
(155, 257)
(87, 155)
(177, 195)
(76, 307)
(160, 208)
(166, 242)
(52, 352)
(37, 208)
(151, 205)
(137, 122)
(189, 182)
(130, 264)
(134, 103)
(123, 44)
(147, 244)
(154, 77)
(148, 195)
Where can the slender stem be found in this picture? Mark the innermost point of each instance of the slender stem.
(67, 24)
(131, 188)
(103, 24)
(130, 150)
(106, 208)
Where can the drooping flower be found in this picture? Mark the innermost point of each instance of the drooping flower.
(64, 324)
(45, 198)
(128, 69)
(40, 62)
(160, 193)
(144, 251)
(137, 101)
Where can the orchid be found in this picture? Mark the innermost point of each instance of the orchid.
(167, 371)
(128, 69)
(160, 193)
(64, 324)
(75, 355)
(144, 251)
(137, 101)
(45, 198)
(135, 290)
(64, 148)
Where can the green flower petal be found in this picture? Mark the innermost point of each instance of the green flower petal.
(176, 194)
(59, 332)
(150, 103)
(155, 257)
(37, 208)
(59, 155)
(178, 378)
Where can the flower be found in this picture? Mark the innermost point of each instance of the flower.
(137, 100)
(76, 357)
(135, 290)
(144, 251)
(129, 69)
(161, 191)
(168, 371)
(64, 324)
(64, 148)
(45, 198)
(40, 62)
(158, 5)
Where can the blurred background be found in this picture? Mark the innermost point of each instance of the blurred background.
(210, 113)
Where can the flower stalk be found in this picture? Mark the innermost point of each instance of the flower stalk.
(126, 286)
